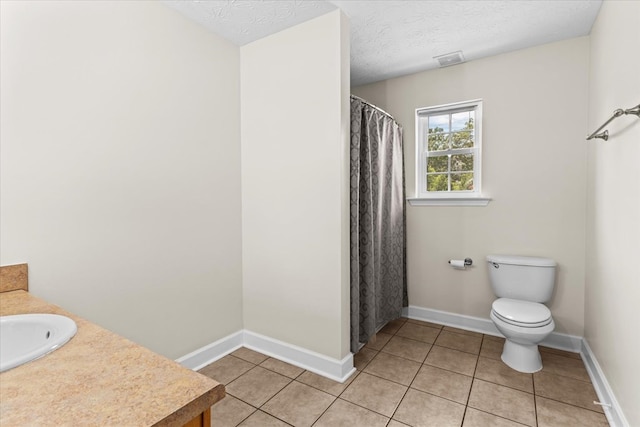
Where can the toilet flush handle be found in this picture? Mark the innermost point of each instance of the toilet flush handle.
(496, 265)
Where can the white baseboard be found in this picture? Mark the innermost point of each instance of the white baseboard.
(485, 326)
(337, 370)
(614, 413)
(203, 356)
(475, 324)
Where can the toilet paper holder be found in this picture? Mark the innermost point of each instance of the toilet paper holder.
(467, 262)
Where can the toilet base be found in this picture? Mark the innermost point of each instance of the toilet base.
(522, 357)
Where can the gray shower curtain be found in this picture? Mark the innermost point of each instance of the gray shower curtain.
(378, 260)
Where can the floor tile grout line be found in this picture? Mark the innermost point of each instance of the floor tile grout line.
(325, 411)
(570, 404)
(404, 395)
(247, 403)
(565, 376)
(457, 349)
(505, 386)
(274, 396)
(543, 350)
(496, 415)
(496, 338)
(317, 389)
(243, 401)
(334, 398)
(242, 374)
(464, 414)
(259, 408)
(324, 391)
(432, 345)
(247, 417)
(409, 386)
(396, 382)
(473, 376)
(535, 398)
(280, 373)
(509, 387)
(406, 358)
(279, 419)
(502, 385)
(441, 397)
(368, 409)
(405, 392)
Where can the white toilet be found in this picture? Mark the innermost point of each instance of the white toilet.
(522, 284)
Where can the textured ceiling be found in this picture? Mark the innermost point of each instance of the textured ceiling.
(244, 21)
(391, 38)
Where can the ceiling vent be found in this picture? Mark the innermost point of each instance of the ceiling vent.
(448, 59)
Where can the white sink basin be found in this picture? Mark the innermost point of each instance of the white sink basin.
(26, 337)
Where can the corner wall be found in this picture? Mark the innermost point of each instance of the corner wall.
(613, 210)
(120, 167)
(534, 169)
(294, 148)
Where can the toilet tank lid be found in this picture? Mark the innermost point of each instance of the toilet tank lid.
(521, 260)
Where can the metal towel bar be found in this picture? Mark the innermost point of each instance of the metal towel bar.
(617, 113)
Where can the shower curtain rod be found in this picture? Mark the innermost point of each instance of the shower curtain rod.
(373, 106)
(617, 113)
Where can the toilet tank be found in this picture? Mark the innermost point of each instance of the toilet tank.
(522, 277)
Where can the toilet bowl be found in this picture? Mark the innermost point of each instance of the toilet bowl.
(524, 324)
(522, 285)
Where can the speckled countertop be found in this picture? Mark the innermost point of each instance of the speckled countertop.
(98, 378)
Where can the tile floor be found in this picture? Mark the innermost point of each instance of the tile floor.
(414, 374)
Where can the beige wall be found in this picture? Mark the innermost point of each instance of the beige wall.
(121, 167)
(294, 145)
(534, 169)
(613, 221)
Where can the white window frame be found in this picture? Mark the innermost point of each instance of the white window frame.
(448, 198)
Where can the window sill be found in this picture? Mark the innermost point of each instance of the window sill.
(449, 201)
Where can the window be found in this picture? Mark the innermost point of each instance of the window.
(448, 155)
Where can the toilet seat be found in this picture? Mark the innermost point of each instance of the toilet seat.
(525, 314)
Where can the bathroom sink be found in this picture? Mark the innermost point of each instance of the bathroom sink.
(26, 337)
